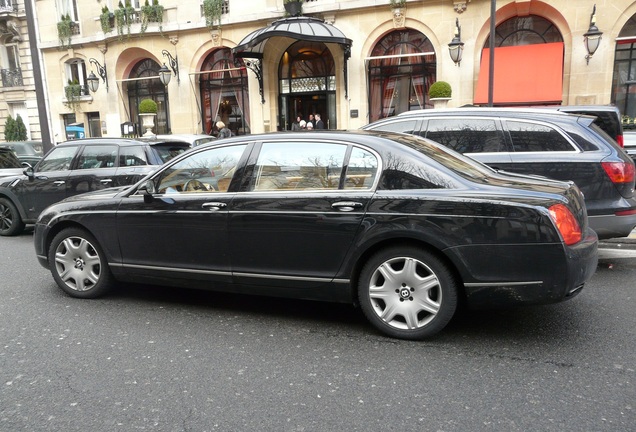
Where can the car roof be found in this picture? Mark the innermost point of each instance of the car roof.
(483, 110)
(122, 141)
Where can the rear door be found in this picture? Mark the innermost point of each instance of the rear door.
(298, 215)
(95, 169)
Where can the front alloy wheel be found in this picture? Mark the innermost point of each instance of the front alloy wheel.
(10, 220)
(407, 293)
(78, 265)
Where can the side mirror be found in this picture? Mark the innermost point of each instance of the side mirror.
(29, 172)
(148, 189)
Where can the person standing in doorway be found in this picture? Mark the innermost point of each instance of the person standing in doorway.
(319, 123)
(296, 124)
(311, 120)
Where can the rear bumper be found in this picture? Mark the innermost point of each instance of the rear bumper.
(544, 274)
(610, 226)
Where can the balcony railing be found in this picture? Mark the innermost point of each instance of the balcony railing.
(8, 6)
(11, 77)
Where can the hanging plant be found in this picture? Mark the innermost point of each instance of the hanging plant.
(124, 16)
(106, 19)
(73, 93)
(151, 13)
(212, 11)
(65, 31)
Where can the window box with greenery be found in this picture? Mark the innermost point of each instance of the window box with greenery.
(124, 17)
(73, 95)
(107, 20)
(151, 12)
(65, 29)
(440, 93)
(212, 11)
(147, 113)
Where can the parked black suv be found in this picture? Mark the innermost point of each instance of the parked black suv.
(75, 167)
(541, 142)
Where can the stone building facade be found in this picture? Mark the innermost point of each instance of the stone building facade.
(259, 67)
(17, 89)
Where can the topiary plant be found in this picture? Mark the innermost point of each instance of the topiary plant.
(148, 106)
(440, 89)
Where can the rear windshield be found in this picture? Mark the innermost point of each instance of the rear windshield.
(460, 164)
(8, 160)
(168, 151)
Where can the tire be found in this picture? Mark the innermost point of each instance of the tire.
(10, 221)
(79, 265)
(407, 293)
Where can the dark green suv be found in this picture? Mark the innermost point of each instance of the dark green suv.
(75, 167)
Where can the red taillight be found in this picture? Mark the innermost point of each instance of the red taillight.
(619, 172)
(620, 141)
(566, 224)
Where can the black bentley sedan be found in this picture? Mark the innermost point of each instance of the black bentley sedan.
(401, 225)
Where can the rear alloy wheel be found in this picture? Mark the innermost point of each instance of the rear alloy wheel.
(407, 293)
(78, 264)
(10, 221)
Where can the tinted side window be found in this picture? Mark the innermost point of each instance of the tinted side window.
(405, 126)
(59, 159)
(99, 156)
(299, 166)
(467, 135)
(533, 137)
(361, 169)
(207, 171)
(132, 156)
(8, 159)
(409, 173)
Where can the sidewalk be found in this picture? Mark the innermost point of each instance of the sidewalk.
(617, 249)
(628, 242)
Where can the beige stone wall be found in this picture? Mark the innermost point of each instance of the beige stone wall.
(363, 21)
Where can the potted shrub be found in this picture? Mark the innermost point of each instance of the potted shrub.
(440, 93)
(293, 7)
(147, 113)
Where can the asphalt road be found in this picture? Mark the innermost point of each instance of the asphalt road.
(149, 358)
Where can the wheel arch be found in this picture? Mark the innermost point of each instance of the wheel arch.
(7, 194)
(402, 241)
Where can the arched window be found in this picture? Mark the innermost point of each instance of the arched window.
(624, 81)
(527, 30)
(524, 46)
(150, 88)
(402, 67)
(224, 94)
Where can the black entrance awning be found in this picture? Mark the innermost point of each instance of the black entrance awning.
(301, 28)
(252, 47)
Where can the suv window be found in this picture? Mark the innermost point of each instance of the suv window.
(467, 135)
(404, 126)
(59, 159)
(8, 159)
(98, 156)
(534, 137)
(132, 156)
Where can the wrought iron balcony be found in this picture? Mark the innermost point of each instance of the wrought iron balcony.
(8, 6)
(11, 77)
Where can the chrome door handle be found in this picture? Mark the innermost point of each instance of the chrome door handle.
(214, 206)
(346, 206)
(106, 181)
(59, 182)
